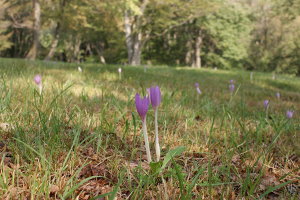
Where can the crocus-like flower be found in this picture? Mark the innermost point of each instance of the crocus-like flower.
(278, 95)
(38, 81)
(197, 88)
(79, 69)
(266, 103)
(155, 98)
(231, 81)
(142, 106)
(289, 114)
(231, 87)
(251, 76)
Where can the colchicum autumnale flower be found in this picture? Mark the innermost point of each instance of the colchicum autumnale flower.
(266, 103)
(198, 88)
(38, 82)
(231, 87)
(142, 105)
(278, 95)
(155, 99)
(289, 114)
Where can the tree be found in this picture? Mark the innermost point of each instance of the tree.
(36, 30)
(146, 19)
(4, 24)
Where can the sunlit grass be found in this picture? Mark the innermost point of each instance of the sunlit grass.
(85, 124)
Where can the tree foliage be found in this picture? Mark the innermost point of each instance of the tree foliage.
(258, 34)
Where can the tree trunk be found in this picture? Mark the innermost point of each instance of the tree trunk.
(198, 43)
(134, 34)
(137, 50)
(128, 35)
(188, 54)
(54, 43)
(100, 49)
(36, 30)
(76, 54)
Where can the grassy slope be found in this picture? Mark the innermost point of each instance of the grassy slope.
(85, 124)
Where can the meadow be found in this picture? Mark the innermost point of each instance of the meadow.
(81, 138)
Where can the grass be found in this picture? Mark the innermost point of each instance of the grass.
(81, 139)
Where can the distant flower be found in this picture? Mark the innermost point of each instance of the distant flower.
(231, 87)
(198, 88)
(120, 70)
(38, 79)
(266, 103)
(79, 69)
(278, 95)
(289, 114)
(231, 81)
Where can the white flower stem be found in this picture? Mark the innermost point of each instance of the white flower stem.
(40, 88)
(146, 141)
(157, 148)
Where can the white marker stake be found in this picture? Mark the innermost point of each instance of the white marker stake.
(120, 73)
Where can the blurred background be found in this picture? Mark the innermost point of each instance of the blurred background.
(262, 35)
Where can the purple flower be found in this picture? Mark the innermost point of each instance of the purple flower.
(231, 81)
(289, 114)
(197, 88)
(278, 95)
(231, 87)
(266, 104)
(155, 96)
(38, 79)
(142, 106)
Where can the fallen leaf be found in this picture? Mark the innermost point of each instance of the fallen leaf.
(54, 189)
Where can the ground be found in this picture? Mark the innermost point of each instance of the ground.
(82, 136)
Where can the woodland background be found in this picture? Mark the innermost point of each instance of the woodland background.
(261, 35)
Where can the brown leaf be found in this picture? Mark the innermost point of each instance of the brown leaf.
(54, 189)
(6, 127)
(269, 180)
(236, 159)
